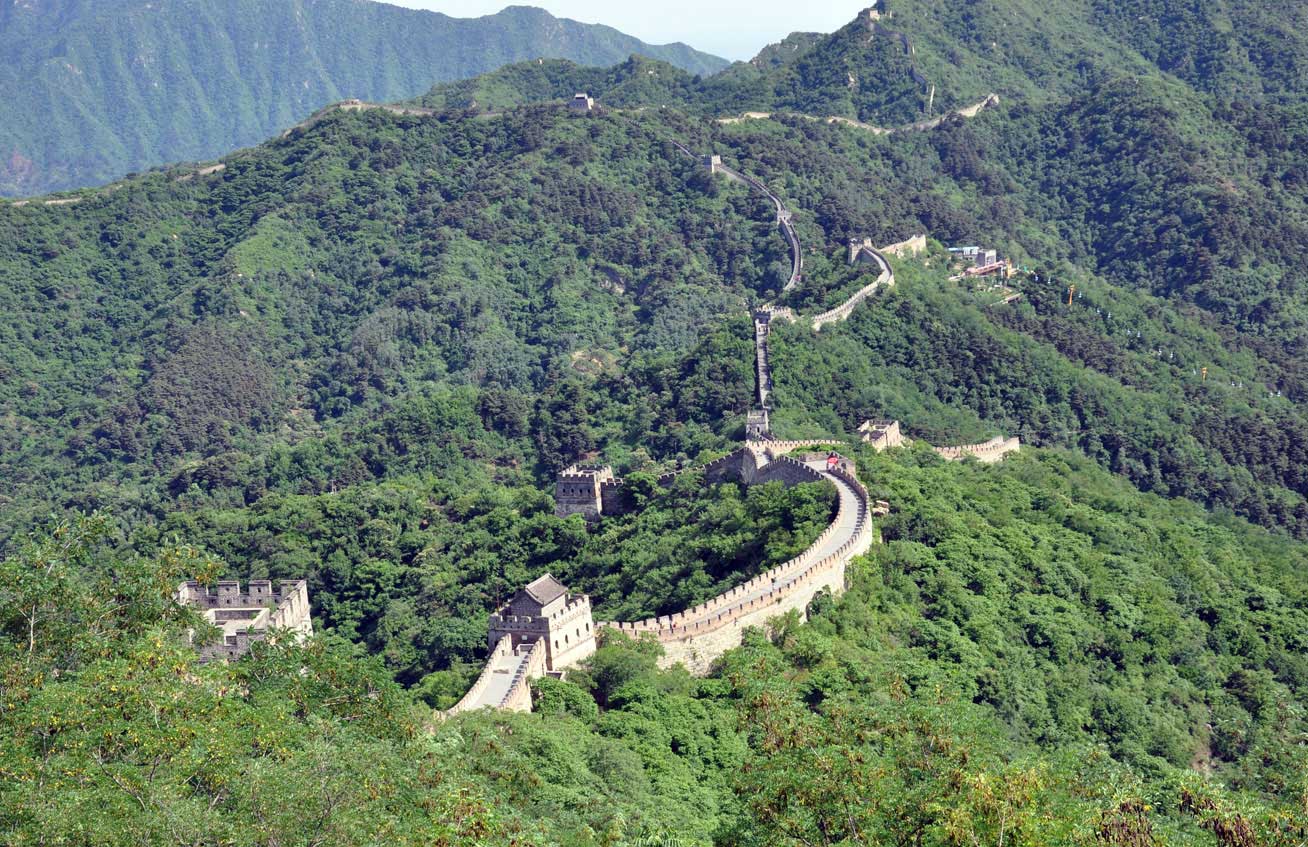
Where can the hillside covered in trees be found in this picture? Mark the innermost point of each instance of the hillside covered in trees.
(98, 88)
(359, 353)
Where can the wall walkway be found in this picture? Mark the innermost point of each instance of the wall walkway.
(505, 681)
(699, 635)
(841, 312)
(971, 111)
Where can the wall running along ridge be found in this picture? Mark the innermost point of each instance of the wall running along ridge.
(988, 451)
(987, 102)
(886, 278)
(700, 634)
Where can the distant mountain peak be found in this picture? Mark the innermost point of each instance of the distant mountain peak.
(97, 89)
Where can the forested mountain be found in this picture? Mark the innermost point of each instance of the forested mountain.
(97, 88)
(359, 352)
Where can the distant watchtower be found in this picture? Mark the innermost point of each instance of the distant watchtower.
(579, 490)
(881, 434)
(712, 162)
(248, 616)
(757, 427)
(581, 103)
(860, 250)
(546, 610)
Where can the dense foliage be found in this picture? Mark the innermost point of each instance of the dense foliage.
(1037, 650)
(98, 88)
(410, 567)
(360, 352)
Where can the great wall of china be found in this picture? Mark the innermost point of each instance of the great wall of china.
(552, 629)
(545, 629)
(989, 101)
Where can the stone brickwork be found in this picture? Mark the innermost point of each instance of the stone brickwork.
(579, 491)
(546, 611)
(988, 452)
(699, 635)
(543, 629)
(881, 434)
(886, 277)
(908, 247)
(250, 615)
(532, 666)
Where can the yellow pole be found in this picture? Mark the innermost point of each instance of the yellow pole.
(1070, 292)
(1203, 373)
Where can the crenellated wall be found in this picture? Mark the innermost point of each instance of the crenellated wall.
(700, 634)
(518, 698)
(470, 700)
(839, 313)
(988, 452)
(908, 247)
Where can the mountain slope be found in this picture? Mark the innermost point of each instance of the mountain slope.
(358, 354)
(96, 89)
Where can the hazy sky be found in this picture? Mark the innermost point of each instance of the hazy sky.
(733, 29)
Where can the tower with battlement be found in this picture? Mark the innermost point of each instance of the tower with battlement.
(578, 490)
(757, 426)
(546, 610)
(248, 616)
(881, 434)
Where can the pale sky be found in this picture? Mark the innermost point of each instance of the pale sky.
(733, 29)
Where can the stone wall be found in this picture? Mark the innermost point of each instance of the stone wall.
(571, 635)
(501, 649)
(783, 222)
(518, 698)
(908, 247)
(988, 452)
(578, 491)
(788, 472)
(699, 635)
(839, 313)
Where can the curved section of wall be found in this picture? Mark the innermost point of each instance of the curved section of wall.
(699, 635)
(886, 277)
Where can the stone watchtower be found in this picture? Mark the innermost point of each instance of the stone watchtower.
(579, 490)
(546, 610)
(881, 434)
(248, 616)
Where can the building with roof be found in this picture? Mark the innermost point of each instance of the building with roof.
(582, 102)
(546, 610)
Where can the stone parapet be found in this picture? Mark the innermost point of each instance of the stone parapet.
(532, 666)
(772, 589)
(988, 452)
(841, 312)
(469, 700)
(248, 616)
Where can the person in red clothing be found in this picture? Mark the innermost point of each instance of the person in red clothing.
(832, 461)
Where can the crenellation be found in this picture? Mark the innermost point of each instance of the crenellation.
(248, 616)
(881, 434)
(987, 452)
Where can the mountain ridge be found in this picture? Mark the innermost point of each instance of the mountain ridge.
(97, 90)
